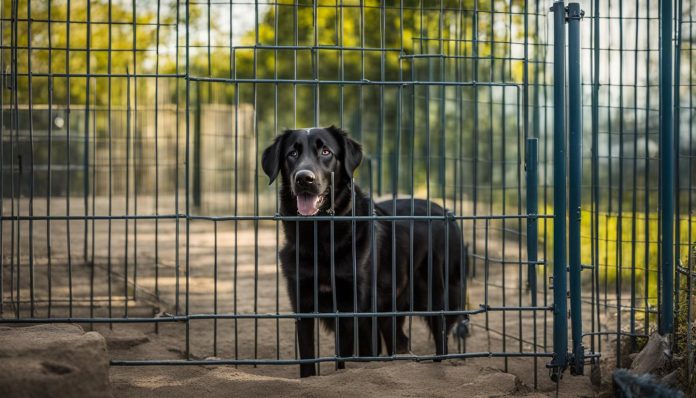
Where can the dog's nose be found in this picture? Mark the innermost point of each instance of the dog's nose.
(304, 178)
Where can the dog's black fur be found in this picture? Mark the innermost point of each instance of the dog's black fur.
(305, 160)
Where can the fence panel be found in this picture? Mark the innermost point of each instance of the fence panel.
(133, 190)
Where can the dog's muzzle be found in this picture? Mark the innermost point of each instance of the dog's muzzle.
(308, 200)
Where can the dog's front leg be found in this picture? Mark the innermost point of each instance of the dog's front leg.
(370, 343)
(303, 326)
(305, 339)
(345, 331)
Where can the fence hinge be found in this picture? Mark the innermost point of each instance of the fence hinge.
(574, 14)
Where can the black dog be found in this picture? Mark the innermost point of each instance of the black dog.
(365, 252)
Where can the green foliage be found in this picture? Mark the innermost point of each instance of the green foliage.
(298, 65)
(116, 36)
(345, 50)
(625, 255)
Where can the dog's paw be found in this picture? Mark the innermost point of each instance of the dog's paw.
(403, 350)
(463, 329)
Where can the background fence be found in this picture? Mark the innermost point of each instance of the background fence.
(131, 134)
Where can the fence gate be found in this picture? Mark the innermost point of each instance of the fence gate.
(628, 223)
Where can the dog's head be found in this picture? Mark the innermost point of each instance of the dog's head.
(305, 159)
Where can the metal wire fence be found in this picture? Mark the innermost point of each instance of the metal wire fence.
(629, 107)
(132, 135)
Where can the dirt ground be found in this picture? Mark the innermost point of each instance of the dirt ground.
(248, 282)
(480, 377)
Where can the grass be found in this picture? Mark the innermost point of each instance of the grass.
(628, 250)
(683, 343)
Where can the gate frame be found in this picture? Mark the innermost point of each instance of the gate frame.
(668, 145)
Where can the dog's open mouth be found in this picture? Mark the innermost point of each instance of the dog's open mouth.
(308, 203)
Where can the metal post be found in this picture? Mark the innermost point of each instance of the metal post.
(560, 320)
(575, 181)
(596, 321)
(666, 170)
(532, 212)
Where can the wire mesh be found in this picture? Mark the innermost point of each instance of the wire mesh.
(621, 228)
(132, 134)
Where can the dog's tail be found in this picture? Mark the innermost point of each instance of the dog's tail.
(460, 294)
(458, 279)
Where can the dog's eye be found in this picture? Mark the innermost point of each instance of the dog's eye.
(292, 154)
(325, 151)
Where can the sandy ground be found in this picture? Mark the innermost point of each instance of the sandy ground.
(239, 259)
(480, 377)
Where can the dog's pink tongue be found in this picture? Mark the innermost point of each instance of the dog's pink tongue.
(307, 204)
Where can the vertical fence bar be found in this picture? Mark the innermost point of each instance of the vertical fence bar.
(86, 166)
(255, 126)
(85, 148)
(67, 161)
(595, 175)
(48, 176)
(177, 175)
(109, 130)
(675, 124)
(137, 147)
(156, 122)
(187, 178)
(666, 170)
(647, 203)
(13, 139)
(539, 93)
(475, 150)
(532, 210)
(542, 116)
(127, 192)
(197, 149)
(620, 258)
(3, 86)
(277, 204)
(31, 165)
(575, 181)
(560, 321)
(634, 199)
(532, 184)
(690, 261)
(215, 287)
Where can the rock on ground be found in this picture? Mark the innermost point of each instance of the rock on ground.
(53, 361)
(123, 338)
(653, 358)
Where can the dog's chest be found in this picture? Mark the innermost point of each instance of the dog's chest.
(325, 288)
(327, 271)
(325, 264)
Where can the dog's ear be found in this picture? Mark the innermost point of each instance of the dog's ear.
(270, 161)
(353, 155)
(352, 150)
